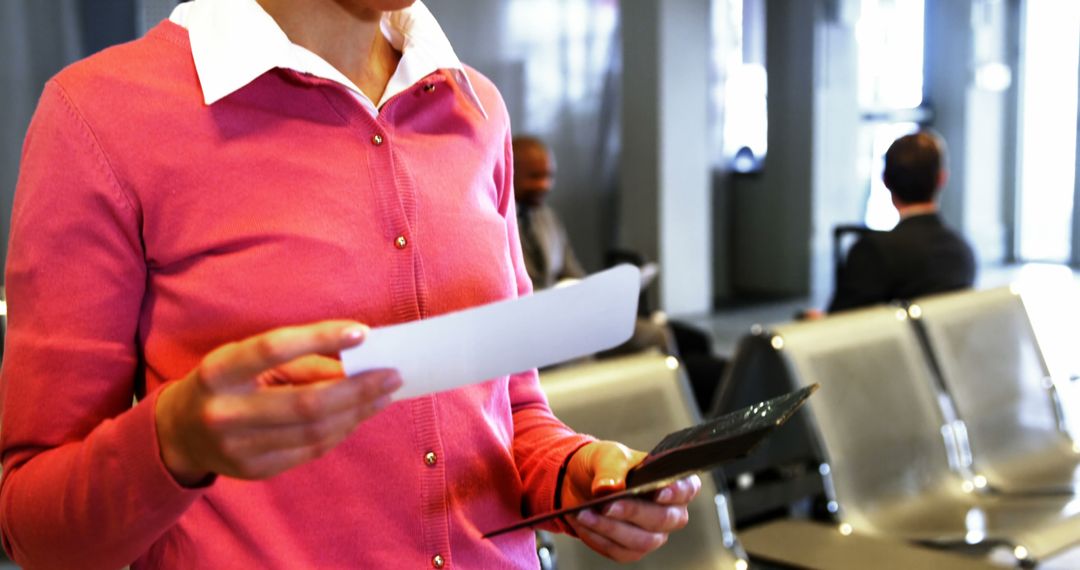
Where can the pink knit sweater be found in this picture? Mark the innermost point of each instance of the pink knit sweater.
(149, 228)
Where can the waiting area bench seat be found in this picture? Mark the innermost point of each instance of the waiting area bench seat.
(638, 399)
(806, 544)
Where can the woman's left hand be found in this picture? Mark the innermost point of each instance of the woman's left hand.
(627, 529)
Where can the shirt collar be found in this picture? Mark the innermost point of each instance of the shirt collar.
(235, 41)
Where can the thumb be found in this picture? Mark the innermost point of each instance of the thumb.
(603, 466)
(307, 369)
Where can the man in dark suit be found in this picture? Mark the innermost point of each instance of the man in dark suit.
(549, 257)
(920, 256)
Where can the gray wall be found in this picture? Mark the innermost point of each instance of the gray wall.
(839, 193)
(783, 216)
(974, 121)
(37, 38)
(665, 198)
(558, 72)
(149, 12)
(771, 210)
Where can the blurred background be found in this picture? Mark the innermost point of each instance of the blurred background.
(725, 139)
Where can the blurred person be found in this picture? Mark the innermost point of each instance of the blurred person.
(339, 168)
(546, 248)
(921, 255)
(549, 256)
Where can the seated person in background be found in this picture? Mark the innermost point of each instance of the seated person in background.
(920, 256)
(549, 258)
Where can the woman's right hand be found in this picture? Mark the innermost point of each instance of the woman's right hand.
(260, 406)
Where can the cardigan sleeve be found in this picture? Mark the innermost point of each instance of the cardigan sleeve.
(541, 442)
(83, 482)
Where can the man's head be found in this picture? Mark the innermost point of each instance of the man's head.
(915, 168)
(534, 170)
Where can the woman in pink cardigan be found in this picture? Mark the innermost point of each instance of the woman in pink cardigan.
(298, 168)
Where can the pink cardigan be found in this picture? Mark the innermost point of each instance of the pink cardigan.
(149, 228)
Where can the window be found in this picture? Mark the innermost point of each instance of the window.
(1048, 119)
(741, 86)
(567, 48)
(889, 35)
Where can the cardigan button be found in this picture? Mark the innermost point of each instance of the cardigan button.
(400, 242)
(438, 561)
(429, 87)
(430, 458)
(376, 140)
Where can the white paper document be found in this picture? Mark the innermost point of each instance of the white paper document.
(502, 338)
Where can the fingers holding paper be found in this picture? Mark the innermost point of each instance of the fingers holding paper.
(260, 406)
(627, 529)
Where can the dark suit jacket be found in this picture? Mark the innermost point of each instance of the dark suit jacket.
(920, 256)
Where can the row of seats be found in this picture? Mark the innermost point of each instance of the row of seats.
(938, 423)
(638, 399)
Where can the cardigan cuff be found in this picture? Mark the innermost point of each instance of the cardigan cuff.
(552, 487)
(148, 445)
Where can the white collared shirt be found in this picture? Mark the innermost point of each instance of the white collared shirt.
(235, 41)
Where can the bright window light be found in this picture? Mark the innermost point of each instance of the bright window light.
(1048, 129)
(566, 48)
(880, 212)
(890, 39)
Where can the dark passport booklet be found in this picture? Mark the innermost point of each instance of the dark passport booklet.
(692, 450)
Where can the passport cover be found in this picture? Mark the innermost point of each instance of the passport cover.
(692, 450)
